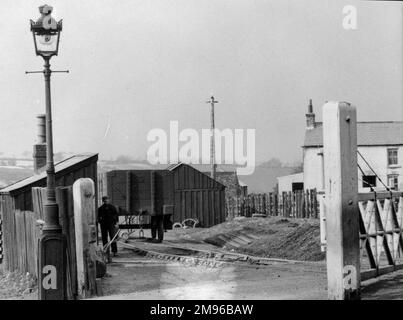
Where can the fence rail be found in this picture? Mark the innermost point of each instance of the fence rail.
(297, 204)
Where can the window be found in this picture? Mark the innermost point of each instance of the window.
(368, 181)
(393, 181)
(392, 157)
(297, 186)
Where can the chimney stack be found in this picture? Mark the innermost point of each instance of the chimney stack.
(40, 146)
(310, 117)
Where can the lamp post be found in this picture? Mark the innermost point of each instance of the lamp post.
(52, 243)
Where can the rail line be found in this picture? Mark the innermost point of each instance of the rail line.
(208, 258)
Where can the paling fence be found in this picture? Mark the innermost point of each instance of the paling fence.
(22, 230)
(297, 204)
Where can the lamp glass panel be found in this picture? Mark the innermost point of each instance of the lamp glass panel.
(47, 43)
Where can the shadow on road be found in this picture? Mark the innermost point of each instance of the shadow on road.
(387, 287)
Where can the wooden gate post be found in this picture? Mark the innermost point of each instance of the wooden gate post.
(341, 187)
(85, 223)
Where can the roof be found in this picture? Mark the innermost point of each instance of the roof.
(220, 168)
(381, 133)
(242, 184)
(297, 176)
(59, 167)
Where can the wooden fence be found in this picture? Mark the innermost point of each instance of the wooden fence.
(21, 230)
(21, 233)
(1, 240)
(297, 204)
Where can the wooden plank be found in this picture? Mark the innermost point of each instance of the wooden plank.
(84, 221)
(188, 213)
(208, 208)
(21, 243)
(64, 196)
(306, 204)
(201, 207)
(379, 195)
(205, 207)
(30, 241)
(341, 189)
(13, 235)
(221, 206)
(213, 208)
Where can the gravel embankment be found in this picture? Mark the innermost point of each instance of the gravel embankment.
(274, 237)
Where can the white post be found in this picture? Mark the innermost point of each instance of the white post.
(85, 224)
(341, 188)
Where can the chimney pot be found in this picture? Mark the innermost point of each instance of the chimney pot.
(310, 117)
(41, 133)
(39, 153)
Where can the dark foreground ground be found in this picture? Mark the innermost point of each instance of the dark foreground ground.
(294, 266)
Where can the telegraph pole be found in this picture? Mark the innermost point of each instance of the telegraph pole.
(212, 139)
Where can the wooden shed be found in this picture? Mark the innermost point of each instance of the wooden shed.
(193, 193)
(16, 200)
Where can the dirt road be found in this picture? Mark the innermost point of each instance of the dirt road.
(136, 277)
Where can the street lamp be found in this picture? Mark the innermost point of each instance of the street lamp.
(52, 243)
(46, 31)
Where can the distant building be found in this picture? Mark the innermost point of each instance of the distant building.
(292, 182)
(379, 142)
(381, 145)
(226, 175)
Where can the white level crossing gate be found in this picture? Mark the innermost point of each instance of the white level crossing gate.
(381, 227)
(363, 230)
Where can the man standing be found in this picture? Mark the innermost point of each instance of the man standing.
(108, 220)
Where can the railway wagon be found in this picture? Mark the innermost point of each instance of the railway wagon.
(143, 199)
(156, 199)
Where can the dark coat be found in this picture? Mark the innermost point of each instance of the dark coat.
(107, 214)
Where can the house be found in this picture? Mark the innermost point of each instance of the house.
(292, 182)
(380, 154)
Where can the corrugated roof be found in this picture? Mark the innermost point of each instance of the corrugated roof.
(381, 133)
(60, 166)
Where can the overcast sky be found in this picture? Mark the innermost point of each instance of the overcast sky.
(139, 64)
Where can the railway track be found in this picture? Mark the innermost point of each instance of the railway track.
(195, 256)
